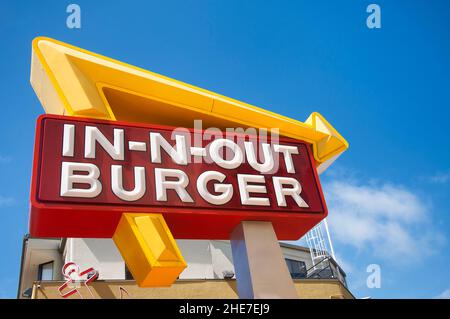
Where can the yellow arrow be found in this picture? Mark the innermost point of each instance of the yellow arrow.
(72, 81)
(149, 250)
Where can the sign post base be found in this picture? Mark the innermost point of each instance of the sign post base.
(261, 271)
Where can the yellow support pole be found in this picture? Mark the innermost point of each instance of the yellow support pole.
(149, 250)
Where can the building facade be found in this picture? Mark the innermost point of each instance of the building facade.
(209, 274)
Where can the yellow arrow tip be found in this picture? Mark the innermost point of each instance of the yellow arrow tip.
(333, 143)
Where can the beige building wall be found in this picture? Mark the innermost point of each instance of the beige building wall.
(187, 289)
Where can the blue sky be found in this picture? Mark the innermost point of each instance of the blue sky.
(386, 90)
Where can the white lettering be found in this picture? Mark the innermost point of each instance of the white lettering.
(68, 140)
(293, 191)
(93, 135)
(245, 189)
(226, 190)
(214, 151)
(268, 164)
(178, 155)
(179, 185)
(117, 183)
(68, 178)
(287, 152)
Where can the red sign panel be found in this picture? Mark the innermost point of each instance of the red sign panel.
(86, 173)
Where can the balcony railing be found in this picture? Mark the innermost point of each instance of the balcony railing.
(327, 268)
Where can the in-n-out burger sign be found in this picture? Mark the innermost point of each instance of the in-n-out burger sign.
(88, 172)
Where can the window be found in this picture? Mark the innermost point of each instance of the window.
(45, 271)
(297, 268)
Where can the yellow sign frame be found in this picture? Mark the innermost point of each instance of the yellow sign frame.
(72, 81)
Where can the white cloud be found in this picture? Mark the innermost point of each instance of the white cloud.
(346, 266)
(390, 221)
(444, 295)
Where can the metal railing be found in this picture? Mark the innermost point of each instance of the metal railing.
(327, 268)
